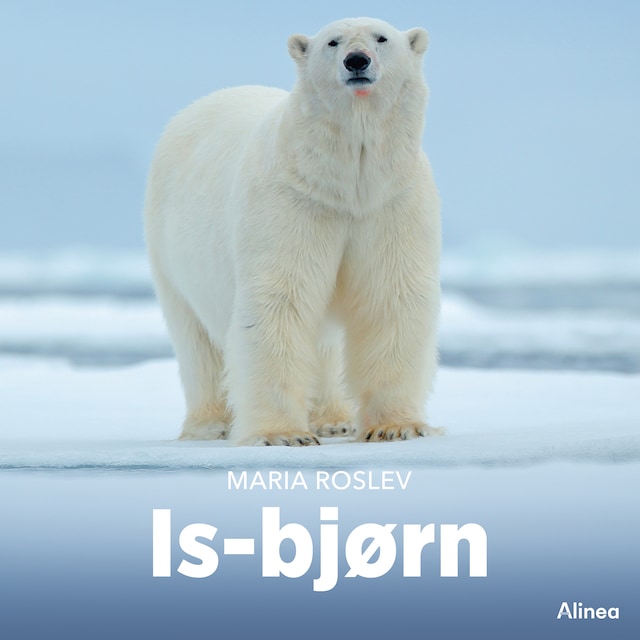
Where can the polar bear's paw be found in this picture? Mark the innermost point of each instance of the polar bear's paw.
(333, 430)
(293, 439)
(390, 432)
(207, 422)
(331, 422)
(205, 431)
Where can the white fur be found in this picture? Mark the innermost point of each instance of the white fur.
(277, 222)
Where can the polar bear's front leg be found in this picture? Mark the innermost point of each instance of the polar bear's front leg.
(392, 365)
(270, 362)
(281, 299)
(392, 302)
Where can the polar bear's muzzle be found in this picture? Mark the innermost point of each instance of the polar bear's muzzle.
(358, 66)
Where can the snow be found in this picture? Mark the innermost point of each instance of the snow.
(61, 417)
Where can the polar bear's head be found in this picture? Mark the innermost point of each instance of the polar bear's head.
(358, 57)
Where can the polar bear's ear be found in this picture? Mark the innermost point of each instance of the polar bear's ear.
(418, 39)
(298, 46)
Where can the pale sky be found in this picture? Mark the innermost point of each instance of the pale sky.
(532, 127)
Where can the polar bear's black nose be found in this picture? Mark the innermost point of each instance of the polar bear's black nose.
(357, 61)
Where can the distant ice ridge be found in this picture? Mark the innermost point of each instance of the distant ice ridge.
(76, 271)
(500, 310)
(109, 331)
(126, 272)
(511, 265)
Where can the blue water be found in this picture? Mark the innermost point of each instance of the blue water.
(536, 305)
(555, 311)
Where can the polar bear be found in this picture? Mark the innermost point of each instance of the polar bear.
(294, 240)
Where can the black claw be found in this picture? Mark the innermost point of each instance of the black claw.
(404, 436)
(267, 443)
(391, 435)
(299, 441)
(380, 433)
(368, 436)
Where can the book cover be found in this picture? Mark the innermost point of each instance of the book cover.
(520, 522)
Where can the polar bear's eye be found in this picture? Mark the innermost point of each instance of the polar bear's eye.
(381, 39)
(333, 43)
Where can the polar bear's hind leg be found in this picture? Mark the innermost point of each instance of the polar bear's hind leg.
(201, 366)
